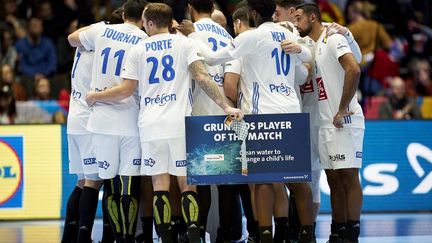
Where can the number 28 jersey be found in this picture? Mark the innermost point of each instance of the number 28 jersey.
(161, 65)
(111, 45)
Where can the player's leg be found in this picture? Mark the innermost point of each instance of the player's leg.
(107, 231)
(108, 158)
(303, 201)
(178, 225)
(190, 209)
(226, 200)
(264, 199)
(316, 194)
(280, 212)
(111, 199)
(88, 206)
(90, 193)
(146, 210)
(327, 147)
(354, 200)
(189, 196)
(70, 231)
(130, 178)
(204, 195)
(293, 219)
(155, 160)
(248, 208)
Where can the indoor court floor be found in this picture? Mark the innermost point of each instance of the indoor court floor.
(376, 228)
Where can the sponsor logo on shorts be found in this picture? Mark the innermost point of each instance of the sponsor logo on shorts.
(359, 154)
(149, 162)
(181, 163)
(214, 157)
(104, 164)
(136, 162)
(337, 157)
(89, 161)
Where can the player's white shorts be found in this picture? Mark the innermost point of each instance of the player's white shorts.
(117, 155)
(81, 155)
(164, 156)
(315, 186)
(341, 148)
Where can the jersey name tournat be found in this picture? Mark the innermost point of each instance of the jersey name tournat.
(120, 36)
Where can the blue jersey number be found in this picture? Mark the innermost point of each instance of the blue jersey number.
(76, 63)
(214, 43)
(282, 62)
(168, 73)
(118, 54)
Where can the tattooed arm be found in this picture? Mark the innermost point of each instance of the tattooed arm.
(201, 76)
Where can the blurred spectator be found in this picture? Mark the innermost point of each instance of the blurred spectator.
(330, 12)
(8, 53)
(369, 34)
(8, 78)
(421, 82)
(9, 18)
(42, 89)
(7, 105)
(399, 106)
(372, 39)
(420, 40)
(59, 118)
(36, 53)
(65, 52)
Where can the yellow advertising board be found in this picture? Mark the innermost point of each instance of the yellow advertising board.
(30, 172)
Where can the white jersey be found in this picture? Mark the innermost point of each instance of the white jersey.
(111, 44)
(79, 112)
(214, 36)
(330, 77)
(268, 71)
(161, 66)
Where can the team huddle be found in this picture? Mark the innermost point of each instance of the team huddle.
(131, 92)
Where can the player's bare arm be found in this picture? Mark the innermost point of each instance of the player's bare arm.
(352, 77)
(204, 80)
(293, 47)
(119, 92)
(186, 27)
(230, 86)
(74, 39)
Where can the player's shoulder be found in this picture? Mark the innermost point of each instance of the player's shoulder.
(336, 38)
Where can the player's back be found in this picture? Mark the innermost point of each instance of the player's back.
(79, 112)
(112, 44)
(268, 71)
(165, 84)
(215, 37)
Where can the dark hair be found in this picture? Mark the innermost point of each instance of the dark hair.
(288, 3)
(242, 14)
(133, 9)
(202, 6)
(116, 16)
(265, 8)
(6, 92)
(310, 8)
(160, 13)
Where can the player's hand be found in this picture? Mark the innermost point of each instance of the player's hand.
(186, 27)
(90, 98)
(234, 113)
(291, 47)
(335, 28)
(338, 119)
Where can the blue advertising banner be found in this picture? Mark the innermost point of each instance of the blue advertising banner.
(397, 167)
(277, 150)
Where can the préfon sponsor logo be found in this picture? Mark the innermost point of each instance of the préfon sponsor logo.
(282, 88)
(160, 100)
